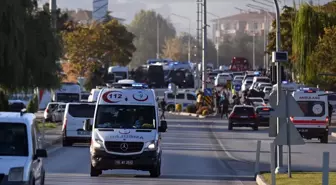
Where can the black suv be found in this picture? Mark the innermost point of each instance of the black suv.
(263, 115)
(243, 116)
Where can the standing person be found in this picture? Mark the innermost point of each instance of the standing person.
(224, 104)
(163, 105)
(330, 111)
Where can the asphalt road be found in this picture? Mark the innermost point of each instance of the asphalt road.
(191, 155)
(241, 143)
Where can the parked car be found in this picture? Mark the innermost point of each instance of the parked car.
(51, 107)
(58, 113)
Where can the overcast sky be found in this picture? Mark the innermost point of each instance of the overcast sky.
(127, 8)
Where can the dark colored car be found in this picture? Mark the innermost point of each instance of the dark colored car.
(155, 76)
(263, 113)
(243, 116)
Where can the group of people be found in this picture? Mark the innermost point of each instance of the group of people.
(223, 102)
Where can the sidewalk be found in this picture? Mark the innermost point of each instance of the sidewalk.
(52, 136)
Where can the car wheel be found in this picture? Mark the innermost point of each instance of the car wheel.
(42, 177)
(66, 142)
(230, 127)
(171, 108)
(156, 171)
(53, 119)
(324, 139)
(95, 172)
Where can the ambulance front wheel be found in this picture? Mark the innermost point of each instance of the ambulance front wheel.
(324, 138)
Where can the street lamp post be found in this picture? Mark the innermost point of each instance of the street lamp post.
(189, 38)
(157, 37)
(253, 48)
(217, 37)
(266, 30)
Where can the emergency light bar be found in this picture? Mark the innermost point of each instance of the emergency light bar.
(307, 90)
(284, 82)
(256, 73)
(140, 85)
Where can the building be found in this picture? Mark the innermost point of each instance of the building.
(84, 16)
(249, 22)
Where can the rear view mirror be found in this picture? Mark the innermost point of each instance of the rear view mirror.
(87, 125)
(41, 153)
(163, 126)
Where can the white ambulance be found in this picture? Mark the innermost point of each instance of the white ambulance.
(126, 131)
(314, 105)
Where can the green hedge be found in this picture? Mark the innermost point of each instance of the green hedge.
(33, 105)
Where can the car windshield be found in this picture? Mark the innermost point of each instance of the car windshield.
(126, 116)
(68, 97)
(13, 139)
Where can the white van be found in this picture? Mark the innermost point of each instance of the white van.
(126, 131)
(94, 94)
(184, 98)
(74, 116)
(21, 153)
(314, 105)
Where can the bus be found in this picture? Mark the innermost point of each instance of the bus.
(69, 92)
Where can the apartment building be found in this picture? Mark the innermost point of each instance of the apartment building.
(252, 22)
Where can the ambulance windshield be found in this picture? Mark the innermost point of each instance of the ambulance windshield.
(312, 108)
(126, 117)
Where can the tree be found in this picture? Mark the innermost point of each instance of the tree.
(287, 19)
(144, 26)
(104, 44)
(61, 17)
(306, 36)
(173, 49)
(323, 58)
(28, 49)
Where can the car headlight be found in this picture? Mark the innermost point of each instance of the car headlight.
(97, 143)
(16, 174)
(151, 145)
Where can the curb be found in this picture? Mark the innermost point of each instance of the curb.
(187, 114)
(260, 180)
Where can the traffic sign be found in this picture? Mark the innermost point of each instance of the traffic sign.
(288, 108)
(273, 98)
(237, 87)
(294, 136)
(208, 92)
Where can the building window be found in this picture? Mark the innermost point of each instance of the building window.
(256, 26)
(227, 26)
(222, 27)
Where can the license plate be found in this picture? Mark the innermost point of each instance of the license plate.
(122, 162)
(83, 132)
(303, 130)
(243, 116)
(265, 116)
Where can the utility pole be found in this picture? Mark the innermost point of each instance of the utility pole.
(204, 45)
(157, 37)
(279, 168)
(199, 42)
(253, 50)
(52, 7)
